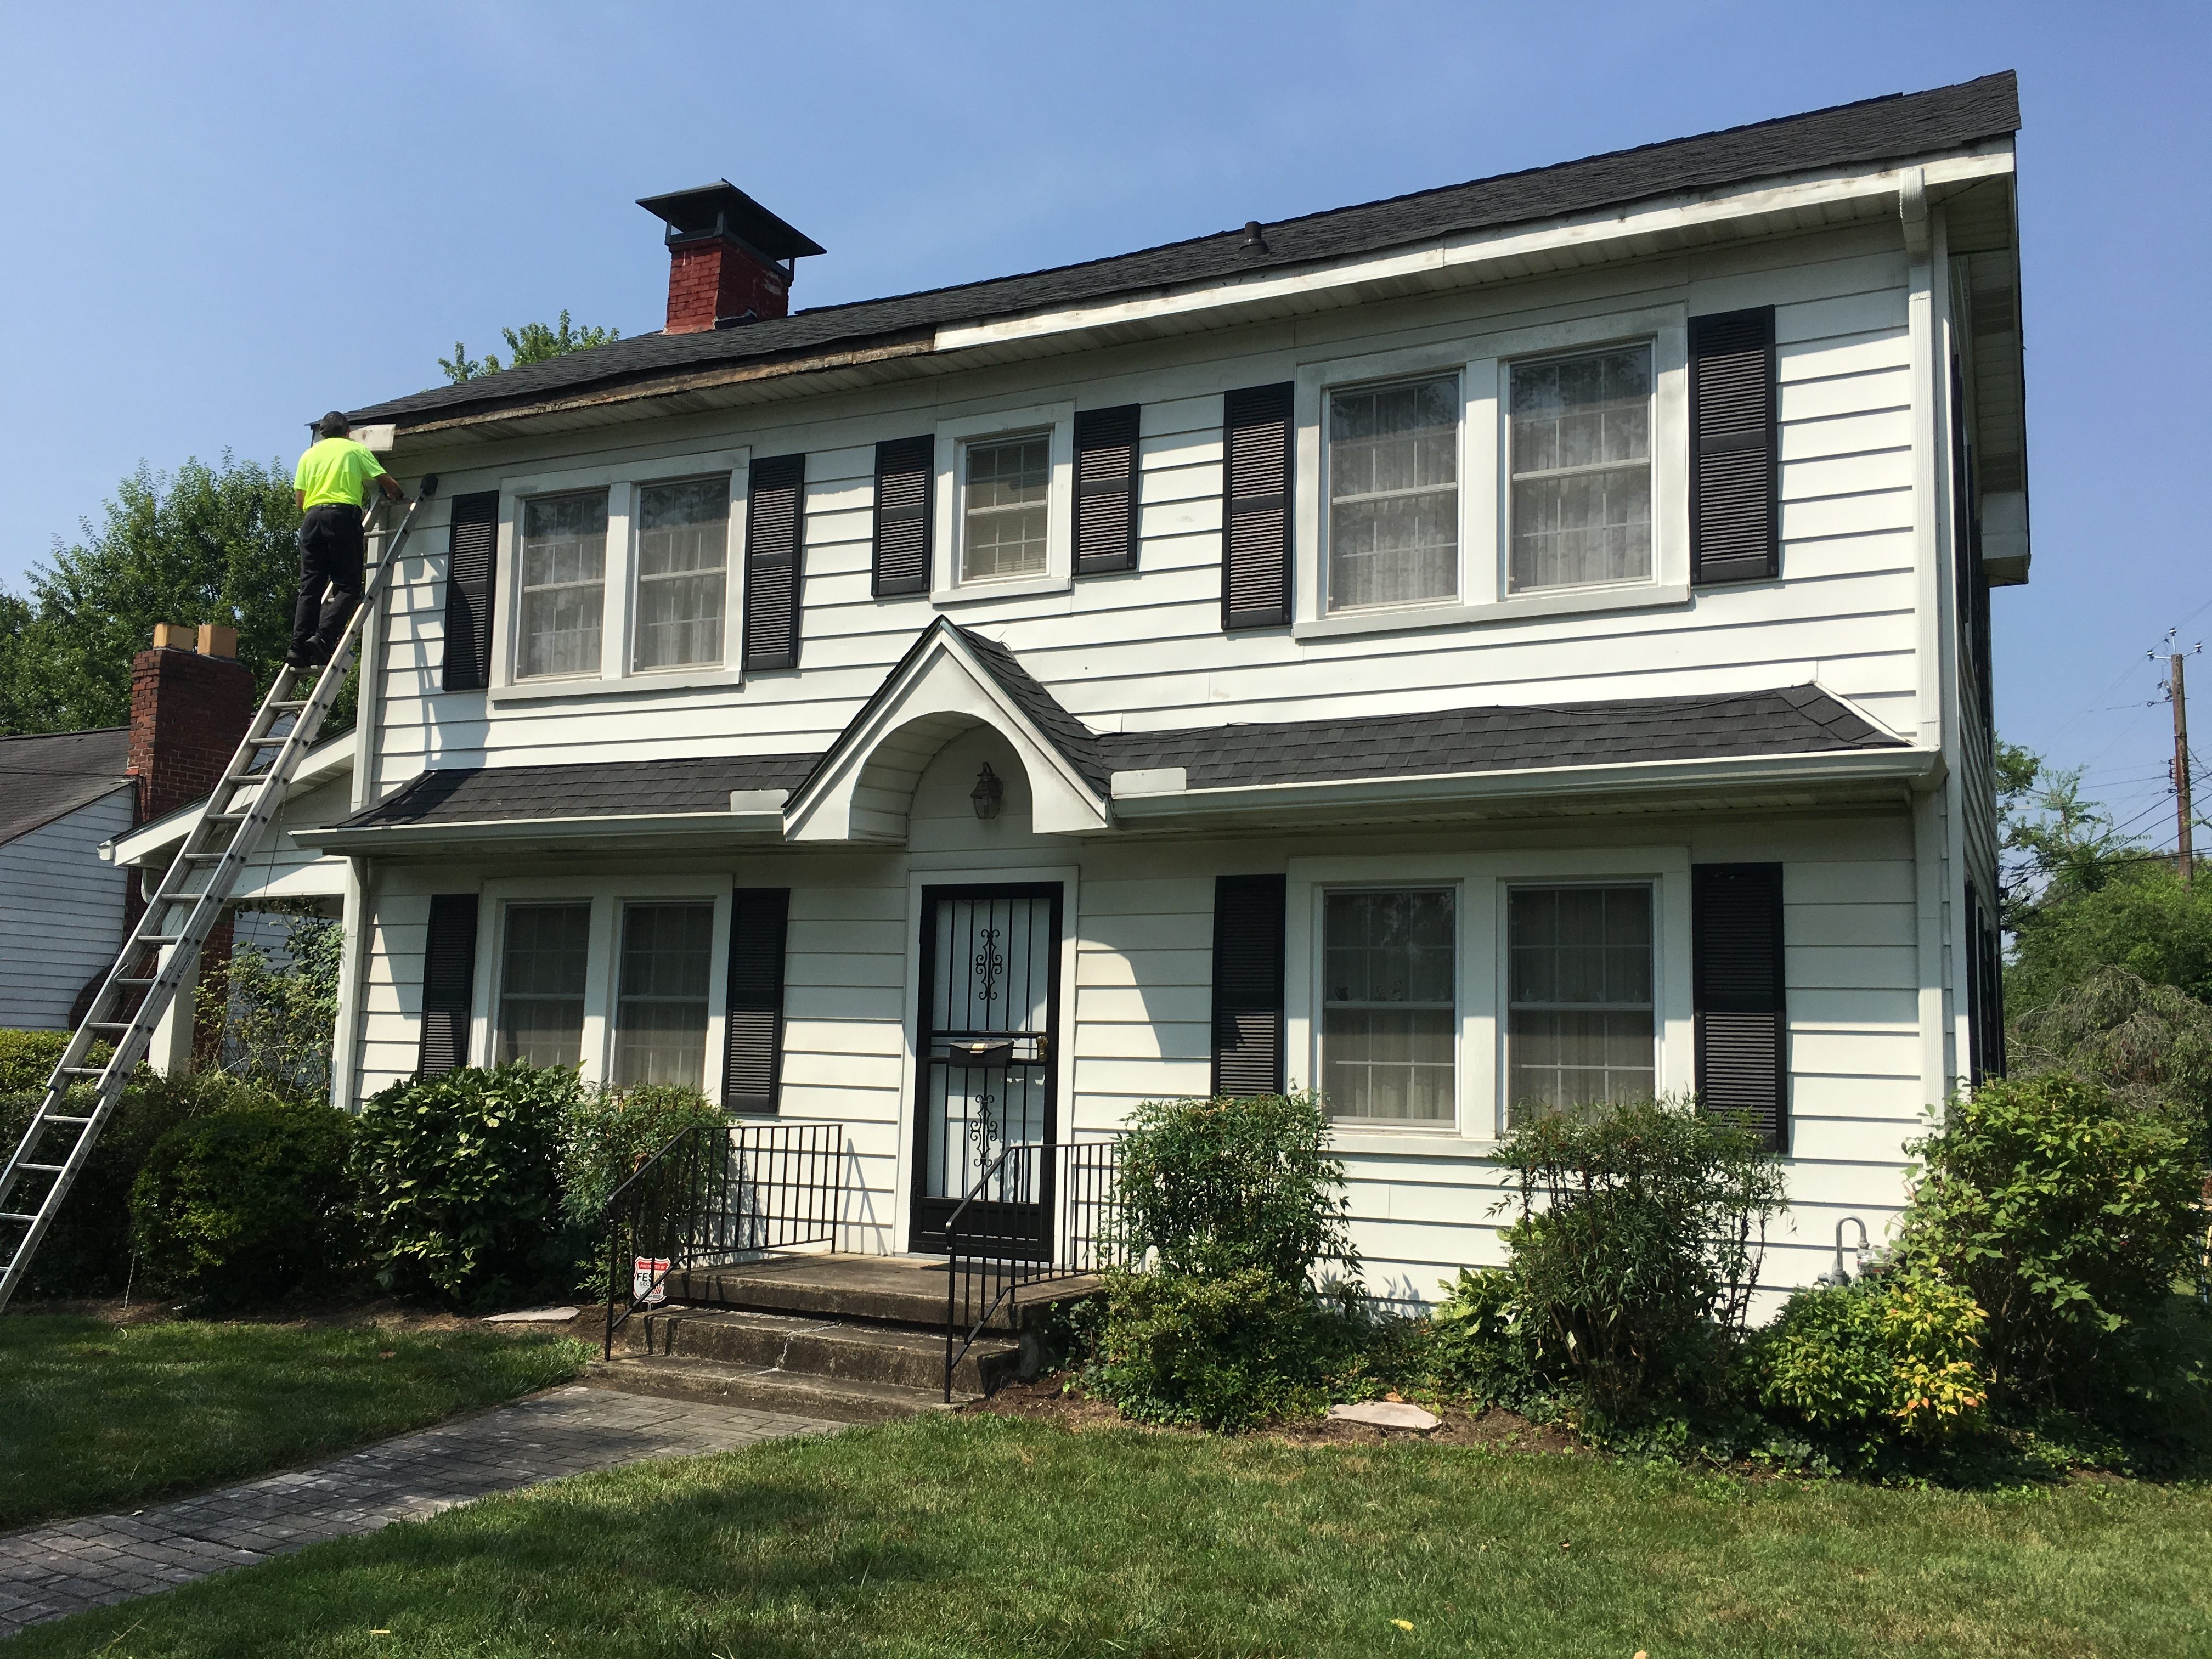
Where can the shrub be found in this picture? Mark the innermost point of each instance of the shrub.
(2063, 1212)
(1890, 1356)
(247, 1202)
(606, 1134)
(88, 1251)
(1477, 1346)
(1631, 1277)
(279, 1014)
(457, 1181)
(1223, 1350)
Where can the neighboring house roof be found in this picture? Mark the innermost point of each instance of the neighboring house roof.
(489, 795)
(51, 775)
(332, 757)
(1872, 130)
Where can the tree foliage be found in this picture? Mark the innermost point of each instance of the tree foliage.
(280, 1013)
(529, 343)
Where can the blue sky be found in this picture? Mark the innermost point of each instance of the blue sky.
(221, 221)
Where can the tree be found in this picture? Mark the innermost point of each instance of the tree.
(201, 544)
(532, 342)
(2068, 845)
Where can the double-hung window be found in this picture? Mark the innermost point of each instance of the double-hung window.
(1389, 1004)
(683, 556)
(1393, 494)
(1580, 485)
(1006, 492)
(660, 1003)
(564, 583)
(1579, 1022)
(543, 961)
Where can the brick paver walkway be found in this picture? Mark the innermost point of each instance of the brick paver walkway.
(50, 1571)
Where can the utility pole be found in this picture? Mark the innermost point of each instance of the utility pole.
(2181, 763)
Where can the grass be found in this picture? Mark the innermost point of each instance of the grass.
(95, 1416)
(997, 1536)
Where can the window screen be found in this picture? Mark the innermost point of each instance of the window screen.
(660, 1004)
(1582, 469)
(1578, 1020)
(1393, 494)
(541, 983)
(564, 589)
(683, 553)
(1004, 504)
(1389, 1012)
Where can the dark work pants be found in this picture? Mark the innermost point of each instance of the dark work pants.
(330, 551)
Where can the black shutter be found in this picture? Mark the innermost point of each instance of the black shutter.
(1735, 454)
(1736, 967)
(469, 583)
(1106, 478)
(449, 978)
(775, 546)
(1255, 507)
(752, 1027)
(906, 493)
(1248, 985)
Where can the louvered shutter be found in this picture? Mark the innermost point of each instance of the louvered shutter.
(906, 493)
(1106, 475)
(1735, 925)
(1255, 507)
(1735, 484)
(449, 978)
(468, 582)
(774, 547)
(752, 1027)
(1248, 985)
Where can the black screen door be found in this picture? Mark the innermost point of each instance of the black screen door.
(987, 1043)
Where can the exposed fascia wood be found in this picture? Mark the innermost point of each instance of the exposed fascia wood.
(333, 757)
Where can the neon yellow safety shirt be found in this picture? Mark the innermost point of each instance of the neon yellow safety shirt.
(334, 472)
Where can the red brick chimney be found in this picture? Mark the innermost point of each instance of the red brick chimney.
(189, 708)
(730, 260)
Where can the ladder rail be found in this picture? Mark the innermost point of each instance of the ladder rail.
(176, 920)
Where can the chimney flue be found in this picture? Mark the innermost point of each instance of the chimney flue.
(730, 260)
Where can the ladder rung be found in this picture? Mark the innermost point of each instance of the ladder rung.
(133, 980)
(245, 779)
(44, 1169)
(83, 1070)
(56, 1117)
(27, 1221)
(301, 702)
(108, 1025)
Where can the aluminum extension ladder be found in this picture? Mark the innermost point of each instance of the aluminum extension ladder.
(178, 917)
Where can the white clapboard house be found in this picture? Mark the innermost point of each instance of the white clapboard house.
(1518, 643)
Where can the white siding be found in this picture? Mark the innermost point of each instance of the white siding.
(61, 912)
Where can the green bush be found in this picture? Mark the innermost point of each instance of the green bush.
(1639, 1241)
(457, 1178)
(605, 1135)
(88, 1251)
(1223, 1350)
(1477, 1345)
(27, 1059)
(2065, 1213)
(246, 1203)
(1889, 1357)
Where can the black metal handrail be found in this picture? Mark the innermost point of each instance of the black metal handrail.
(1041, 1210)
(715, 1196)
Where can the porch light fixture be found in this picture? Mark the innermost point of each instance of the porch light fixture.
(988, 794)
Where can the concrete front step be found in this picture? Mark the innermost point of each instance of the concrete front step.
(881, 1289)
(788, 1392)
(835, 1349)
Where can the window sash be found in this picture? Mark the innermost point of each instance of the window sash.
(1389, 1017)
(544, 958)
(1393, 494)
(661, 996)
(1005, 508)
(1581, 1018)
(682, 558)
(1579, 470)
(562, 558)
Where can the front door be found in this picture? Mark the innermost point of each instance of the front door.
(987, 1038)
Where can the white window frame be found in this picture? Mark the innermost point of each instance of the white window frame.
(1325, 491)
(1505, 369)
(1483, 361)
(1506, 889)
(602, 978)
(1321, 894)
(1482, 881)
(622, 482)
(1057, 422)
(496, 972)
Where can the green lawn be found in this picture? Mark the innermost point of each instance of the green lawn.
(996, 1535)
(95, 1416)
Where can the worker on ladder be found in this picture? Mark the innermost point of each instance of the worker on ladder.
(329, 483)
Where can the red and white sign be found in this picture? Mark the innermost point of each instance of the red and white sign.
(648, 1279)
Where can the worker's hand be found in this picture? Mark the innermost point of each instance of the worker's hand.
(392, 492)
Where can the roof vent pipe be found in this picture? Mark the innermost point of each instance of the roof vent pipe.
(1254, 241)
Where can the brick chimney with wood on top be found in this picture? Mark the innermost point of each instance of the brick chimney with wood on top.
(730, 260)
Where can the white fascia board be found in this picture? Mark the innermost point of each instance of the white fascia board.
(397, 838)
(1919, 770)
(331, 758)
(1468, 256)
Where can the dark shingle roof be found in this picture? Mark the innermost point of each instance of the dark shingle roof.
(479, 794)
(1874, 129)
(47, 776)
